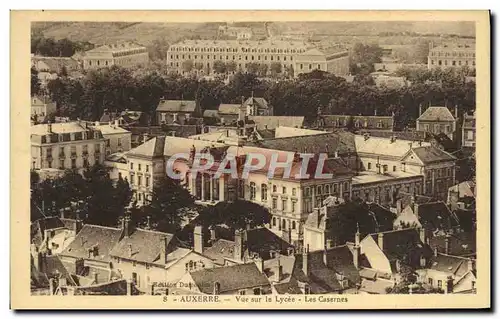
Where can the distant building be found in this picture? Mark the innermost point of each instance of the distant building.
(177, 111)
(72, 145)
(124, 54)
(41, 107)
(296, 55)
(357, 122)
(231, 32)
(469, 130)
(454, 55)
(117, 138)
(438, 119)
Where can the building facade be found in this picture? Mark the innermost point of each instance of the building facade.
(118, 139)
(469, 130)
(438, 119)
(41, 107)
(452, 55)
(299, 56)
(124, 54)
(72, 145)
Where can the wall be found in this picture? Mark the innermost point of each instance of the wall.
(140, 177)
(113, 146)
(314, 239)
(66, 161)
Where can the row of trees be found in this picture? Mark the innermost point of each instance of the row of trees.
(221, 67)
(41, 45)
(118, 89)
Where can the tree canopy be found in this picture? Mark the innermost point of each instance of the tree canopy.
(235, 215)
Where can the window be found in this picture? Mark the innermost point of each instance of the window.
(253, 190)
(440, 284)
(132, 179)
(294, 192)
(274, 221)
(294, 225)
(346, 186)
(275, 203)
(147, 181)
(119, 142)
(263, 192)
(139, 167)
(147, 168)
(139, 180)
(139, 196)
(61, 151)
(369, 165)
(283, 204)
(85, 162)
(394, 168)
(335, 188)
(284, 190)
(275, 188)
(294, 204)
(73, 163)
(61, 164)
(131, 165)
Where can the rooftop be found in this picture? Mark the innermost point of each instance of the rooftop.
(111, 129)
(58, 128)
(437, 113)
(116, 47)
(366, 177)
(385, 146)
(276, 44)
(272, 122)
(187, 106)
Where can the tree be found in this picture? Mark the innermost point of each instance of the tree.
(276, 68)
(231, 66)
(198, 66)
(263, 70)
(230, 214)
(219, 67)
(289, 71)
(123, 192)
(64, 71)
(187, 65)
(170, 205)
(35, 82)
(253, 67)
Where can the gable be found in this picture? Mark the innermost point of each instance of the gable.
(411, 158)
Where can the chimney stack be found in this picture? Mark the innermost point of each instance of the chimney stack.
(278, 272)
(130, 250)
(381, 240)
(456, 112)
(399, 206)
(470, 265)
(419, 109)
(259, 262)
(129, 287)
(435, 251)
(49, 127)
(216, 288)
(305, 260)
(213, 235)
(198, 239)
(325, 261)
(357, 248)
(239, 244)
(126, 226)
(96, 278)
(163, 251)
(422, 234)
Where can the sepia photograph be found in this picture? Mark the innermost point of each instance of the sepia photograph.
(280, 162)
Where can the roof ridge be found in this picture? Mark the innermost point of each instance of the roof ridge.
(395, 230)
(100, 226)
(153, 231)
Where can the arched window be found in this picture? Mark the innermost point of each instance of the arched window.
(294, 225)
(263, 192)
(253, 189)
(284, 224)
(318, 190)
(275, 188)
(274, 221)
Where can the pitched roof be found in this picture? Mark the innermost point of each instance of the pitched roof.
(234, 109)
(39, 226)
(152, 148)
(174, 145)
(385, 146)
(399, 135)
(272, 122)
(146, 245)
(58, 128)
(55, 64)
(465, 189)
(91, 235)
(436, 215)
(230, 278)
(211, 113)
(220, 250)
(431, 154)
(259, 101)
(436, 113)
(284, 131)
(41, 100)
(176, 106)
(116, 47)
(457, 266)
(460, 244)
(111, 129)
(266, 133)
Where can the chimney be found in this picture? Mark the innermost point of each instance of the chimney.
(456, 112)
(130, 250)
(435, 251)
(356, 250)
(126, 226)
(144, 137)
(49, 127)
(239, 244)
(78, 224)
(213, 235)
(375, 112)
(52, 286)
(96, 278)
(198, 239)
(381, 240)
(419, 109)
(259, 262)
(278, 272)
(163, 251)
(305, 260)
(422, 234)
(117, 123)
(216, 288)
(447, 244)
(129, 287)
(399, 206)
(62, 213)
(410, 144)
(415, 211)
(151, 290)
(470, 265)
(148, 222)
(325, 261)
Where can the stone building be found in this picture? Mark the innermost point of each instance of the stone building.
(123, 54)
(453, 55)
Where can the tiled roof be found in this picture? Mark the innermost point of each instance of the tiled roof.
(290, 288)
(443, 140)
(146, 245)
(400, 135)
(266, 133)
(284, 131)
(404, 245)
(457, 266)
(58, 128)
(460, 244)
(55, 64)
(39, 226)
(272, 122)
(436, 215)
(234, 109)
(112, 288)
(211, 113)
(329, 143)
(152, 148)
(111, 129)
(104, 237)
(272, 44)
(465, 189)
(176, 106)
(116, 47)
(174, 145)
(376, 286)
(436, 113)
(384, 146)
(220, 250)
(431, 154)
(230, 278)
